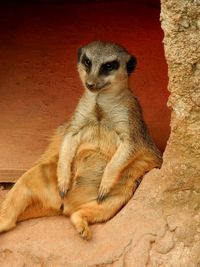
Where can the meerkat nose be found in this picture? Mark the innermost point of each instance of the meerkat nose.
(90, 85)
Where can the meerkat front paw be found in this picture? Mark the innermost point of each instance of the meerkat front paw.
(63, 189)
(103, 193)
(104, 190)
(107, 183)
(64, 176)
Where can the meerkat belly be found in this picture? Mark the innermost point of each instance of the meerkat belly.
(98, 145)
(99, 138)
(97, 148)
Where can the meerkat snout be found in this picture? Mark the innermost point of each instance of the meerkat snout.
(90, 85)
(102, 65)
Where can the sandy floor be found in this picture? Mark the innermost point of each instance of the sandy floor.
(39, 85)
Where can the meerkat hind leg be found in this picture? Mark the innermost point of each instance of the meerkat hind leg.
(93, 212)
(15, 203)
(35, 187)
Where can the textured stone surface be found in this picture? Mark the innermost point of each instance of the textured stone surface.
(160, 226)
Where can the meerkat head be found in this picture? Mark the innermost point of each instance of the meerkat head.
(104, 65)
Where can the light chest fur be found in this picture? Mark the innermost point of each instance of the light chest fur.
(98, 119)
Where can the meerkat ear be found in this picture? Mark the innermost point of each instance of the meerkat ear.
(131, 64)
(79, 54)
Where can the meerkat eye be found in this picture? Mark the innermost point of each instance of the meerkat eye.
(107, 67)
(87, 62)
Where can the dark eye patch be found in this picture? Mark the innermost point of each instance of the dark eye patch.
(107, 67)
(86, 62)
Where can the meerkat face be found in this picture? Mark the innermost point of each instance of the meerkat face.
(104, 65)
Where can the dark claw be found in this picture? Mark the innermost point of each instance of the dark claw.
(101, 198)
(63, 194)
(82, 231)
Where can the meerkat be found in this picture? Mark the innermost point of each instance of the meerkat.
(93, 164)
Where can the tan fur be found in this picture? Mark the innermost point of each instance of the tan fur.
(95, 159)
